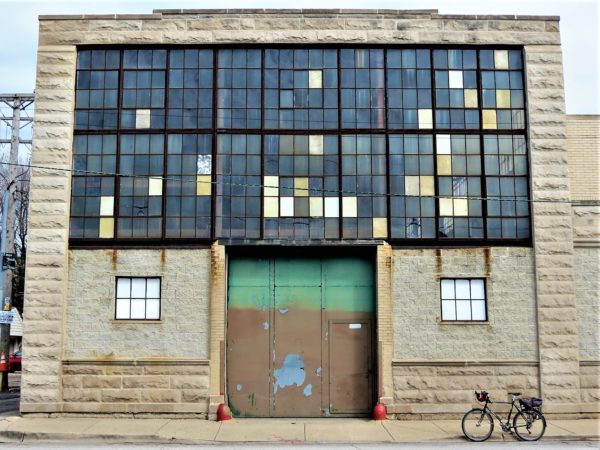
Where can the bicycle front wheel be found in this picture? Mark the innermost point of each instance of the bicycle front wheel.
(529, 425)
(477, 425)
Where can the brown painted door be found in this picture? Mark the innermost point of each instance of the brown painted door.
(350, 367)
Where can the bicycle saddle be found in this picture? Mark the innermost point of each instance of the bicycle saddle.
(514, 393)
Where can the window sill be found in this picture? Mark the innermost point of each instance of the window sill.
(135, 321)
(463, 322)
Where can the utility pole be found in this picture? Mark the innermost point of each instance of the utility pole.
(8, 228)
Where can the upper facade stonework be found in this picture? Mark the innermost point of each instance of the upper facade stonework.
(198, 26)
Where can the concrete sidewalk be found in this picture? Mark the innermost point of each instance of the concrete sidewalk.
(297, 431)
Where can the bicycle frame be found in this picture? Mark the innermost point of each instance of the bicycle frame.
(514, 406)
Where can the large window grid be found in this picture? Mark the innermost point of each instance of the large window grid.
(419, 228)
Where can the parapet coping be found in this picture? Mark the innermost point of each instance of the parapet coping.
(158, 14)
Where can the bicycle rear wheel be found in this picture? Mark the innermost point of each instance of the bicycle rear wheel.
(529, 425)
(477, 425)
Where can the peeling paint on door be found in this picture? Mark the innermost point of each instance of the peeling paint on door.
(292, 372)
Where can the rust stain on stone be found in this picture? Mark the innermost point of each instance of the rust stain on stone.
(113, 258)
(487, 260)
(163, 259)
(438, 261)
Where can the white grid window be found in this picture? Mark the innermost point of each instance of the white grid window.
(137, 298)
(463, 299)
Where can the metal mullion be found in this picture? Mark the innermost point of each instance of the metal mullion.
(262, 146)
(483, 177)
(165, 152)
(436, 190)
(387, 149)
(214, 156)
(340, 174)
(117, 176)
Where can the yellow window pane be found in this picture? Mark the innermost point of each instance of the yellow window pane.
(443, 144)
(489, 119)
(444, 165)
(271, 186)
(349, 208)
(107, 206)
(471, 98)
(425, 118)
(300, 187)
(287, 206)
(446, 207)
(315, 145)
(203, 186)
(142, 118)
(315, 79)
(271, 207)
(461, 207)
(107, 228)
(502, 98)
(154, 186)
(380, 227)
(427, 185)
(316, 206)
(501, 59)
(411, 185)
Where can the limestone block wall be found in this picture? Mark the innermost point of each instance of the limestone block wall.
(437, 365)
(182, 331)
(583, 142)
(47, 293)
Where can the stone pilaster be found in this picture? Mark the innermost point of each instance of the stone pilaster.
(218, 277)
(385, 332)
(552, 231)
(47, 257)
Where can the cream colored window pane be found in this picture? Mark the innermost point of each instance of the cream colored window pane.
(204, 165)
(463, 310)
(349, 208)
(461, 207)
(107, 206)
(300, 187)
(271, 207)
(138, 309)
(471, 98)
(449, 310)
(203, 185)
(153, 288)
(380, 227)
(427, 185)
(315, 79)
(501, 59)
(446, 207)
(411, 185)
(316, 206)
(107, 228)
(142, 118)
(444, 165)
(315, 145)
(455, 79)
(477, 289)
(332, 207)
(443, 144)
(271, 187)
(123, 287)
(425, 118)
(286, 206)
(122, 309)
(502, 98)
(153, 309)
(447, 289)
(154, 186)
(489, 119)
(478, 309)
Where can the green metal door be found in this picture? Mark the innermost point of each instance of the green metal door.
(281, 312)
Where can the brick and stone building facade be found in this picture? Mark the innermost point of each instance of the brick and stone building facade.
(89, 350)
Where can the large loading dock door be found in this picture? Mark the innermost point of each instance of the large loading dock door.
(300, 336)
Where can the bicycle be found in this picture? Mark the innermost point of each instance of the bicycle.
(528, 423)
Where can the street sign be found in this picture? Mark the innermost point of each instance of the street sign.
(6, 317)
(9, 261)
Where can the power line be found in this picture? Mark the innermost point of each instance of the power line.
(184, 179)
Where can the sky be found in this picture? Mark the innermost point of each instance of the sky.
(579, 32)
